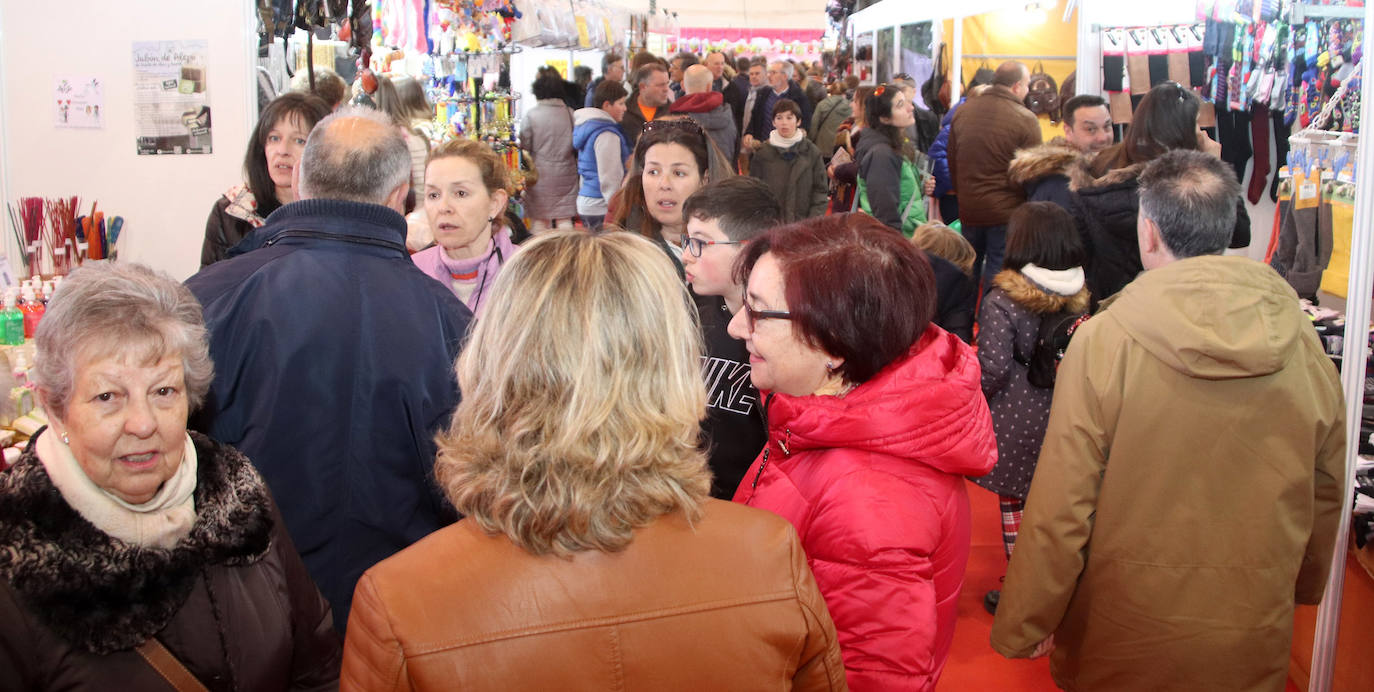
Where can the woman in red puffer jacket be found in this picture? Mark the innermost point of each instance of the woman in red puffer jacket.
(875, 416)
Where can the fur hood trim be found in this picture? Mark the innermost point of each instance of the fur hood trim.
(1031, 297)
(1054, 157)
(1081, 176)
(100, 594)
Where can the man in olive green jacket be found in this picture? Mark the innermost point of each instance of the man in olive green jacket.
(1189, 487)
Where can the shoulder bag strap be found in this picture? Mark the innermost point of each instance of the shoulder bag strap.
(168, 666)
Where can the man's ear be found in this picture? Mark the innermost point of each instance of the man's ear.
(396, 199)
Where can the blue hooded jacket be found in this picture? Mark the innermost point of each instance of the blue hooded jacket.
(584, 141)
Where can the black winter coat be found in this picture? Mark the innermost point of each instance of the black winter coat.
(1105, 208)
(333, 371)
(74, 601)
(222, 232)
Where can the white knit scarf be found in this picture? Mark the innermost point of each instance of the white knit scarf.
(157, 523)
(781, 142)
(1064, 282)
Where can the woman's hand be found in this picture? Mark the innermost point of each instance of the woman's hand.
(1206, 144)
(928, 187)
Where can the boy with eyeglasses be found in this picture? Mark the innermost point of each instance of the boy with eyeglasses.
(721, 218)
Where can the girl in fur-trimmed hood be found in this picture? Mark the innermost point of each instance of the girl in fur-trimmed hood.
(1041, 275)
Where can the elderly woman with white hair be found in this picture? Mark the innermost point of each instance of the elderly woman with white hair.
(133, 553)
(591, 557)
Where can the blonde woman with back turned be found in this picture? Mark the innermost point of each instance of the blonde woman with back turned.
(591, 557)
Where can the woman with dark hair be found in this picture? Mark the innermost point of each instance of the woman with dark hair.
(273, 152)
(547, 133)
(672, 159)
(1104, 191)
(890, 187)
(874, 418)
(843, 169)
(1041, 275)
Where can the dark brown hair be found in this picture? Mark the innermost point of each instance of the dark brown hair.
(1043, 234)
(310, 109)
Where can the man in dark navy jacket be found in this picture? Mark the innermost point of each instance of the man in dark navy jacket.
(333, 357)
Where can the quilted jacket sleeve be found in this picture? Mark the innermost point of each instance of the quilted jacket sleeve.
(870, 547)
(996, 344)
(372, 659)
(1051, 547)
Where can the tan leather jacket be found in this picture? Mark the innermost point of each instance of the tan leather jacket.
(727, 604)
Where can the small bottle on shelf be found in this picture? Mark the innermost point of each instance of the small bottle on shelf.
(11, 322)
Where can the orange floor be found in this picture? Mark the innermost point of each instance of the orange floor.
(973, 665)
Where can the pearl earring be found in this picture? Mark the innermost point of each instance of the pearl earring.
(65, 440)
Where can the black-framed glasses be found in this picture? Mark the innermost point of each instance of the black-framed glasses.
(696, 245)
(753, 316)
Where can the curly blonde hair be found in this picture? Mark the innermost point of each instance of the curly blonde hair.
(580, 414)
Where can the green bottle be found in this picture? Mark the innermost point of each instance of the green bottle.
(12, 321)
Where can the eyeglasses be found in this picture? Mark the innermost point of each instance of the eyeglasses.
(695, 245)
(752, 315)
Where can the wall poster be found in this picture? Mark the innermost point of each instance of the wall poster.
(171, 97)
(77, 102)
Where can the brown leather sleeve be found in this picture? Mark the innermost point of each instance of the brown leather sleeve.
(820, 666)
(372, 659)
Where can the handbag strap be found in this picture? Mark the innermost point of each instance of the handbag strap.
(168, 666)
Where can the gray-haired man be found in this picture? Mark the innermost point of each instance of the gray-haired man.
(333, 356)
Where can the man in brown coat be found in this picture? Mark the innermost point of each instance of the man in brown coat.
(983, 137)
(1189, 488)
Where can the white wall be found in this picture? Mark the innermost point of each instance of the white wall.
(164, 199)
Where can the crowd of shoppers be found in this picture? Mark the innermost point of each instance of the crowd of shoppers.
(716, 439)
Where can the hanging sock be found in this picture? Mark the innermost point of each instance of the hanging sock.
(1282, 131)
(1259, 135)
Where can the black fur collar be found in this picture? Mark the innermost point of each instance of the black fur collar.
(100, 594)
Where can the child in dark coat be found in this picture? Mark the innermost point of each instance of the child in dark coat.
(792, 166)
(1042, 274)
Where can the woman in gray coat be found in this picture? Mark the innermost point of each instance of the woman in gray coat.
(546, 132)
(1041, 275)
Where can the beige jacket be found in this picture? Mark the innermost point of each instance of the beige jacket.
(727, 604)
(1188, 490)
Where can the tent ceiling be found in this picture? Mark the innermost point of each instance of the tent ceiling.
(761, 14)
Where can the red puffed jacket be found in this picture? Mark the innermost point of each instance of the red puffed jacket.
(874, 483)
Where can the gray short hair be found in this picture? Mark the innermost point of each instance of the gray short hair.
(1191, 196)
(119, 309)
(357, 169)
(787, 69)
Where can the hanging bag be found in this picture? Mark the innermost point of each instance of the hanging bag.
(1043, 95)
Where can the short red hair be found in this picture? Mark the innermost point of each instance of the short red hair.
(858, 289)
